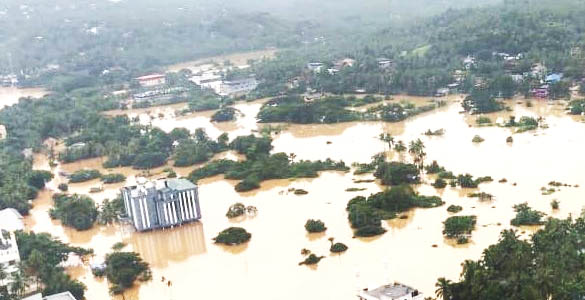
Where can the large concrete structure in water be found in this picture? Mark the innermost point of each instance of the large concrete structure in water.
(161, 203)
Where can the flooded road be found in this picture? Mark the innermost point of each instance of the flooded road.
(267, 267)
(10, 95)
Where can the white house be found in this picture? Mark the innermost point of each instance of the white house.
(395, 291)
(152, 80)
(10, 221)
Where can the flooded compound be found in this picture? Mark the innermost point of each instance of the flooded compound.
(188, 257)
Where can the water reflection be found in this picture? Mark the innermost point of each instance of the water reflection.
(172, 244)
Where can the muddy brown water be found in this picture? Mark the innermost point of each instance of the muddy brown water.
(267, 267)
(10, 95)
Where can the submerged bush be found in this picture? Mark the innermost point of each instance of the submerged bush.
(233, 236)
(314, 226)
(526, 216)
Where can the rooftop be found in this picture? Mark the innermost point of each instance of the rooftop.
(11, 220)
(180, 184)
(390, 291)
(152, 76)
(60, 296)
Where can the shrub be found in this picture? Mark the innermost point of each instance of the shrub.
(84, 175)
(312, 259)
(233, 236)
(113, 178)
(236, 210)
(79, 212)
(457, 226)
(63, 187)
(396, 173)
(300, 192)
(314, 226)
(554, 204)
(369, 231)
(477, 139)
(124, 268)
(434, 168)
(338, 248)
(440, 183)
(454, 208)
(509, 139)
(225, 114)
(483, 120)
(526, 216)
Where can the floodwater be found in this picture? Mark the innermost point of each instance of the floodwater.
(237, 59)
(10, 95)
(267, 267)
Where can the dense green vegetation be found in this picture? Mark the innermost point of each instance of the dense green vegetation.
(260, 165)
(577, 107)
(312, 259)
(333, 109)
(233, 236)
(459, 227)
(18, 182)
(454, 208)
(365, 214)
(396, 173)
(84, 175)
(526, 216)
(113, 178)
(77, 211)
(338, 248)
(546, 266)
(124, 268)
(41, 256)
(225, 114)
(314, 226)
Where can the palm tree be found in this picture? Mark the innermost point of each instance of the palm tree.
(388, 138)
(417, 150)
(443, 288)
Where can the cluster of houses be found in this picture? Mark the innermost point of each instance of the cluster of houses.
(538, 73)
(338, 65)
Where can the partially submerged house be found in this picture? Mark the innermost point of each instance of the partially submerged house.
(161, 203)
(395, 291)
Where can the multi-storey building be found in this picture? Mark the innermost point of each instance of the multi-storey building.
(161, 203)
(10, 221)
